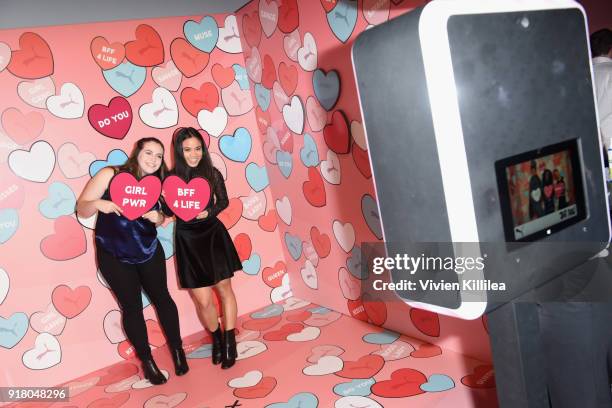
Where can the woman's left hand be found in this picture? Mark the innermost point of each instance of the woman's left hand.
(202, 215)
(155, 217)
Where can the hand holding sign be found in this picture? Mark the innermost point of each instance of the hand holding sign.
(186, 200)
(134, 197)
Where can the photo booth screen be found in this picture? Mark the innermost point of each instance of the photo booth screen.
(541, 191)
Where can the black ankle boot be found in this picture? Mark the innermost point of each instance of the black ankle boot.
(229, 349)
(180, 361)
(151, 372)
(217, 345)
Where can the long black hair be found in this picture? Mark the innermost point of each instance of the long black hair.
(204, 169)
(131, 165)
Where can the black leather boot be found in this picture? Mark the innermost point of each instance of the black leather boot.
(217, 345)
(180, 361)
(151, 372)
(229, 349)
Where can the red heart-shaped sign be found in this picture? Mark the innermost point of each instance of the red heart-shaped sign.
(337, 134)
(288, 16)
(288, 76)
(134, 197)
(69, 302)
(194, 100)
(34, 58)
(426, 350)
(112, 121)
(187, 58)
(107, 55)
(321, 242)
(252, 29)
(314, 189)
(259, 390)
(223, 76)
(273, 276)
(243, 245)
(268, 75)
(366, 367)
(147, 50)
(357, 310)
(68, 242)
(262, 324)
(232, 214)
(269, 221)
(362, 161)
(263, 120)
(186, 200)
(404, 382)
(329, 5)
(427, 322)
(285, 331)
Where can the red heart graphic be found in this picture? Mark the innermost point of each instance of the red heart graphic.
(126, 350)
(262, 324)
(107, 55)
(376, 309)
(259, 390)
(314, 189)
(426, 350)
(34, 58)
(273, 276)
(252, 29)
(186, 200)
(269, 221)
(187, 58)
(22, 128)
(268, 75)
(67, 242)
(12, 191)
(243, 245)
(194, 100)
(366, 367)
(231, 215)
(329, 5)
(483, 376)
(284, 332)
(285, 138)
(71, 303)
(362, 161)
(321, 242)
(298, 316)
(114, 120)
(357, 310)
(288, 16)
(426, 322)
(117, 373)
(404, 382)
(337, 134)
(223, 76)
(155, 334)
(135, 197)
(113, 402)
(147, 50)
(263, 120)
(288, 76)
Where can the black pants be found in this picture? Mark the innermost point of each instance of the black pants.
(126, 281)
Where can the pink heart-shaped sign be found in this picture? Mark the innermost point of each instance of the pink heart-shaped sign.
(135, 197)
(186, 200)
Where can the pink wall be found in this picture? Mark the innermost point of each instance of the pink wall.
(327, 203)
(50, 297)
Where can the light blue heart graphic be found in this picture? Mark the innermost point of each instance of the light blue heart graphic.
(294, 245)
(269, 311)
(386, 337)
(236, 147)
(165, 235)
(353, 263)
(370, 213)
(284, 162)
(438, 383)
(60, 201)
(358, 388)
(145, 299)
(202, 35)
(241, 76)
(126, 78)
(204, 351)
(263, 96)
(309, 153)
(9, 222)
(13, 329)
(115, 157)
(319, 310)
(301, 400)
(342, 19)
(252, 265)
(326, 87)
(257, 177)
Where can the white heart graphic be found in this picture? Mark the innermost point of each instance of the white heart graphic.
(536, 194)
(283, 291)
(345, 235)
(112, 327)
(283, 208)
(5, 284)
(35, 93)
(309, 275)
(356, 401)
(268, 16)
(330, 168)
(326, 365)
(5, 56)
(34, 165)
(250, 348)
(359, 134)
(294, 303)
(280, 97)
(123, 385)
(144, 383)
(167, 76)
(307, 54)
(316, 114)
(307, 334)
(254, 206)
(162, 112)
(72, 162)
(292, 43)
(229, 37)
(248, 380)
(253, 65)
(69, 104)
(294, 115)
(45, 354)
(214, 122)
(48, 321)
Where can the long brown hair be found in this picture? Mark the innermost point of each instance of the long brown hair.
(131, 165)
(204, 169)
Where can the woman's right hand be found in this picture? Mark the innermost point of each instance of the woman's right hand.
(108, 207)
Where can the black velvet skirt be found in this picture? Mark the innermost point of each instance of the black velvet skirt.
(205, 253)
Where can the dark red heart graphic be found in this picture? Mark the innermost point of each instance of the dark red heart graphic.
(259, 390)
(262, 324)
(22, 128)
(134, 197)
(357, 310)
(404, 382)
(112, 121)
(70, 303)
(243, 245)
(483, 376)
(117, 373)
(186, 200)
(273, 276)
(223, 76)
(288, 76)
(112, 402)
(366, 367)
(194, 100)
(252, 29)
(314, 189)
(321, 242)
(329, 5)
(268, 75)
(269, 221)
(288, 16)
(232, 214)
(34, 58)
(187, 58)
(426, 351)
(67, 242)
(376, 309)
(285, 331)
(147, 50)
(427, 322)
(362, 161)
(337, 135)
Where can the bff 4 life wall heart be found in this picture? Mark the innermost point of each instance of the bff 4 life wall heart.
(135, 197)
(186, 200)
